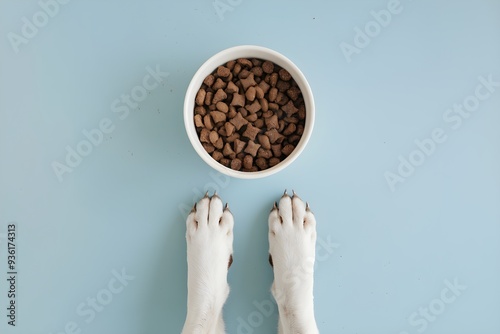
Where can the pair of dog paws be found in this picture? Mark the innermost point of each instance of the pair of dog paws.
(292, 239)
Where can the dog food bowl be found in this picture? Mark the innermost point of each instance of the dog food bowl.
(247, 51)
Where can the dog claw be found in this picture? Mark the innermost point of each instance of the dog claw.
(307, 207)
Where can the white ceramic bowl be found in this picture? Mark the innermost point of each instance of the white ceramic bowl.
(247, 51)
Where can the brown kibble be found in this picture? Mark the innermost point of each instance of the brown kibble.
(268, 67)
(208, 122)
(264, 142)
(264, 86)
(272, 122)
(233, 137)
(229, 128)
(219, 84)
(281, 99)
(249, 114)
(238, 146)
(236, 69)
(243, 75)
(250, 93)
(236, 164)
(293, 93)
(199, 110)
(256, 61)
(205, 136)
(290, 129)
(209, 80)
(230, 64)
(243, 112)
(248, 81)
(238, 121)
(291, 119)
(238, 100)
(228, 78)
(259, 93)
(259, 123)
(247, 161)
(198, 121)
(208, 147)
(220, 95)
(223, 71)
(219, 144)
(289, 108)
(218, 116)
(283, 86)
(284, 75)
(302, 112)
(273, 79)
(273, 106)
(282, 124)
(251, 132)
(222, 132)
(228, 151)
(253, 169)
(221, 106)
(252, 148)
(261, 163)
(263, 153)
(263, 105)
(232, 112)
(287, 149)
(214, 136)
(244, 62)
(208, 98)
(273, 93)
(217, 155)
(300, 130)
(274, 136)
(267, 114)
(257, 71)
(254, 107)
(273, 162)
(232, 88)
(200, 97)
(252, 117)
(293, 139)
(276, 148)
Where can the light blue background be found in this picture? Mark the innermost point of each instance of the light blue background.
(119, 209)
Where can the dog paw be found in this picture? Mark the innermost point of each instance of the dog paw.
(209, 236)
(292, 240)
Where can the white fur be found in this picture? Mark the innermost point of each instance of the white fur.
(209, 236)
(292, 239)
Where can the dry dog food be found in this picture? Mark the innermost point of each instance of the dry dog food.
(249, 114)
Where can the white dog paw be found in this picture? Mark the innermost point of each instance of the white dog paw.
(209, 236)
(292, 240)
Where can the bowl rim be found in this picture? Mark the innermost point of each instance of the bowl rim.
(233, 53)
